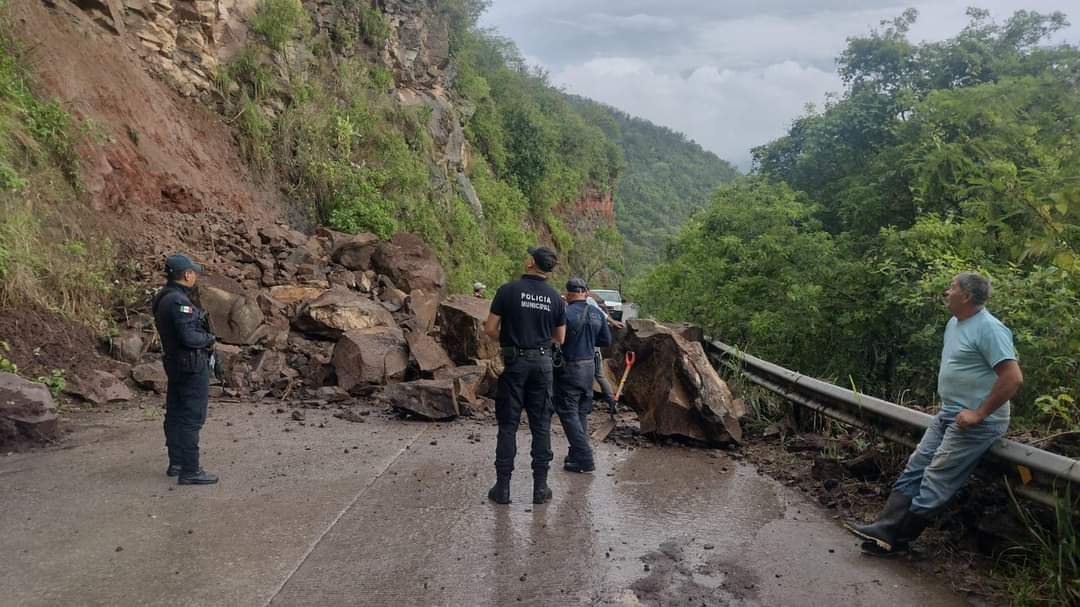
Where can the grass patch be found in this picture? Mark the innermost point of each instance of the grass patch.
(46, 258)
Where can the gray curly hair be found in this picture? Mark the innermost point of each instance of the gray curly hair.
(975, 285)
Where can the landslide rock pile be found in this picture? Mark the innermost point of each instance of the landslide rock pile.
(327, 317)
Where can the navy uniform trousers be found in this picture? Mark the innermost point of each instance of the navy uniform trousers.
(185, 413)
(526, 383)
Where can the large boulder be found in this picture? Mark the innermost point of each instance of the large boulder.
(287, 294)
(127, 347)
(97, 387)
(410, 263)
(461, 321)
(150, 376)
(430, 398)
(427, 352)
(234, 318)
(673, 388)
(424, 308)
(374, 355)
(472, 382)
(26, 409)
(354, 252)
(338, 311)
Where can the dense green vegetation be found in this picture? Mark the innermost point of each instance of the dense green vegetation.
(355, 158)
(666, 179)
(44, 258)
(937, 158)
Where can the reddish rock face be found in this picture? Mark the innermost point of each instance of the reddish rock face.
(673, 388)
(596, 205)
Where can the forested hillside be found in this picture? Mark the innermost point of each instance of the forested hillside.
(666, 178)
(937, 158)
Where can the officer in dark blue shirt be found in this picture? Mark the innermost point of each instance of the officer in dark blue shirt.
(186, 342)
(586, 330)
(527, 316)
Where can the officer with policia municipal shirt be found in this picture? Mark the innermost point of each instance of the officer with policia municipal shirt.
(586, 329)
(186, 343)
(977, 377)
(527, 316)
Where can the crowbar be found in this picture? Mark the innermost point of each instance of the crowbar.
(601, 431)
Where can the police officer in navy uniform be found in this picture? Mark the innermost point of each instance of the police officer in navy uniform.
(586, 330)
(527, 316)
(187, 343)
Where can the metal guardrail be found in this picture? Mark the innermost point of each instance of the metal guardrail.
(1031, 472)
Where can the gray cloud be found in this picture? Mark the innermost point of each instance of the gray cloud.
(731, 75)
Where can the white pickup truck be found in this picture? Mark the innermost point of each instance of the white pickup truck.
(616, 306)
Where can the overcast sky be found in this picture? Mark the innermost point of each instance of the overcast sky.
(731, 75)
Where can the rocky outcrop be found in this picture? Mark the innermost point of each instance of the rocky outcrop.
(27, 410)
(461, 320)
(673, 388)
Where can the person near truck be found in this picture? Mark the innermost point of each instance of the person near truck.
(186, 343)
(594, 301)
(586, 330)
(978, 375)
(527, 317)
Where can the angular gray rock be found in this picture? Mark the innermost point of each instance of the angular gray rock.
(340, 310)
(427, 352)
(354, 252)
(673, 388)
(410, 263)
(26, 410)
(461, 322)
(424, 308)
(374, 355)
(97, 387)
(150, 376)
(234, 318)
(431, 398)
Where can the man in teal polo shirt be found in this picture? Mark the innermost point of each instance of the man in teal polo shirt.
(978, 375)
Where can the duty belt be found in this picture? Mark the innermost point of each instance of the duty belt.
(512, 352)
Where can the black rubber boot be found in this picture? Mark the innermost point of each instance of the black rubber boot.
(173, 470)
(883, 531)
(572, 466)
(500, 493)
(202, 477)
(541, 491)
(911, 527)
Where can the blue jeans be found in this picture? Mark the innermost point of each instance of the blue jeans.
(573, 403)
(945, 457)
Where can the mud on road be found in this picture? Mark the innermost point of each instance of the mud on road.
(324, 511)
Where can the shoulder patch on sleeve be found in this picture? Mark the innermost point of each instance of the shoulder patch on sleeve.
(185, 309)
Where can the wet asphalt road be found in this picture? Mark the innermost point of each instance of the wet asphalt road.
(390, 512)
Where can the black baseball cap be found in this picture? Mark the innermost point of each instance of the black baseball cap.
(544, 257)
(577, 285)
(179, 263)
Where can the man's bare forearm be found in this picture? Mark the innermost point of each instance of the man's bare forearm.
(1005, 387)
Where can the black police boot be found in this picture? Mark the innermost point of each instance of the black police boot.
(202, 477)
(174, 470)
(883, 531)
(500, 493)
(541, 491)
(572, 466)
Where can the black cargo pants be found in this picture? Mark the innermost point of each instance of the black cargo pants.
(525, 383)
(185, 413)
